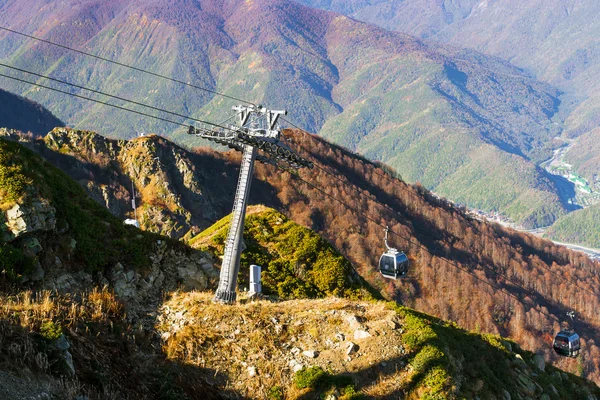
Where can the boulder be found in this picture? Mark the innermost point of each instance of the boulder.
(351, 348)
(39, 216)
(62, 346)
(361, 334)
(68, 359)
(192, 277)
(310, 353)
(478, 385)
(295, 366)
(540, 362)
(62, 343)
(353, 322)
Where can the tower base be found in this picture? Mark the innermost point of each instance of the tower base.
(225, 297)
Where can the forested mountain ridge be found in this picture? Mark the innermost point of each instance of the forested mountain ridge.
(427, 110)
(453, 256)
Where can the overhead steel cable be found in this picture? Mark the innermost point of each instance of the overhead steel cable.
(260, 158)
(352, 186)
(94, 100)
(384, 176)
(388, 178)
(372, 198)
(185, 125)
(115, 97)
(186, 84)
(127, 66)
(477, 262)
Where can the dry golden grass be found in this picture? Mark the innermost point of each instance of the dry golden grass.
(27, 314)
(263, 335)
(30, 309)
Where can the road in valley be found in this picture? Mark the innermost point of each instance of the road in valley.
(594, 254)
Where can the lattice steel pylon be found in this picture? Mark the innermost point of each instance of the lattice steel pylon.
(257, 137)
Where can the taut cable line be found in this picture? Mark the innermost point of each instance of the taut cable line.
(125, 65)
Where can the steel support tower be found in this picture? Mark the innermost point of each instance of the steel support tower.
(257, 137)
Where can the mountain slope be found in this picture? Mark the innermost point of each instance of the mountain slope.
(425, 109)
(579, 227)
(298, 350)
(25, 115)
(440, 239)
(555, 40)
(57, 248)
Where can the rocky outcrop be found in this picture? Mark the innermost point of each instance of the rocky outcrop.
(170, 269)
(169, 188)
(66, 140)
(21, 219)
(113, 196)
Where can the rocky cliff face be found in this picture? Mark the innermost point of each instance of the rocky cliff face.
(169, 190)
(169, 269)
(53, 237)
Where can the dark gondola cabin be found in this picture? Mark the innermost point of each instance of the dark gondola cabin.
(393, 264)
(567, 343)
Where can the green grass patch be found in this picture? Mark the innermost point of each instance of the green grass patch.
(321, 382)
(296, 262)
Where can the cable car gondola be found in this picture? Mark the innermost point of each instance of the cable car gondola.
(393, 264)
(567, 342)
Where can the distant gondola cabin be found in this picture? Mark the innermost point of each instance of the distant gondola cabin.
(567, 343)
(393, 264)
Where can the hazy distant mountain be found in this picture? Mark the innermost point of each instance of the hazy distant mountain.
(557, 40)
(461, 123)
(25, 115)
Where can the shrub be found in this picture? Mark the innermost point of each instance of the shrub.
(311, 377)
(51, 330)
(12, 180)
(275, 393)
(13, 263)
